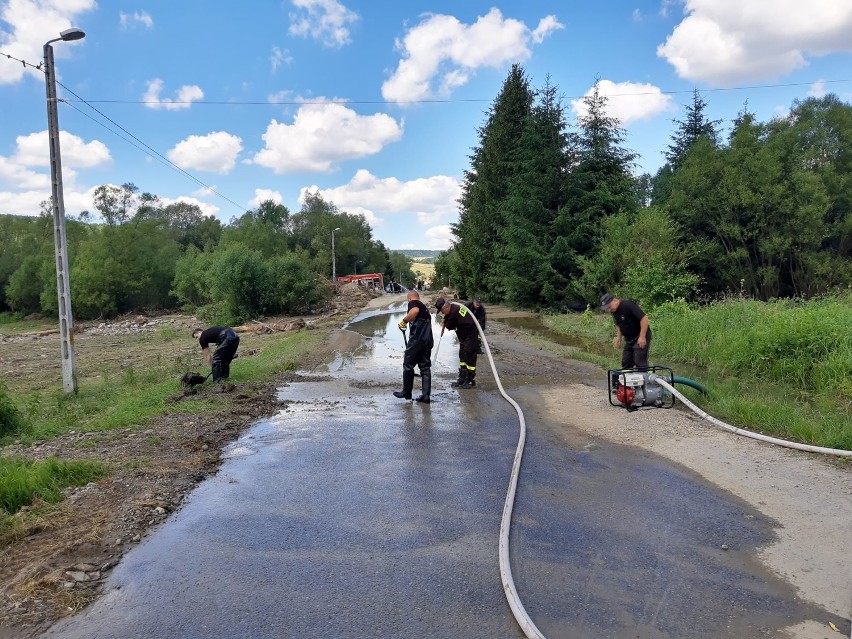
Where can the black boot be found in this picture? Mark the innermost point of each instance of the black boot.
(469, 382)
(462, 377)
(407, 385)
(426, 387)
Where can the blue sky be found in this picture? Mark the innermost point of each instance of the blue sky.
(376, 103)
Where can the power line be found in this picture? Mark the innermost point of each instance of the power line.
(452, 100)
(161, 157)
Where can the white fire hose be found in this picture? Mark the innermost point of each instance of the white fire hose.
(657, 379)
(521, 616)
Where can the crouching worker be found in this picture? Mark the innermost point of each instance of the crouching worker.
(418, 352)
(226, 341)
(459, 318)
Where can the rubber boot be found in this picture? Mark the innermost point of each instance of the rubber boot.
(426, 387)
(469, 382)
(462, 377)
(407, 385)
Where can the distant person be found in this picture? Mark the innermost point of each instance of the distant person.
(459, 318)
(226, 341)
(478, 309)
(631, 323)
(418, 351)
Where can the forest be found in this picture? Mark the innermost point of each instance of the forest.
(553, 216)
(146, 256)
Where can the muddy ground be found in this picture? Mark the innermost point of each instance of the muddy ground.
(58, 567)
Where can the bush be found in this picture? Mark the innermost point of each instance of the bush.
(240, 282)
(11, 419)
(293, 286)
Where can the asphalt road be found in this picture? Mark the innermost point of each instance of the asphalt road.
(355, 514)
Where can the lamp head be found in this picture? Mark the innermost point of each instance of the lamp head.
(337, 229)
(72, 34)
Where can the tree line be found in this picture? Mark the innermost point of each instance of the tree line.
(552, 216)
(143, 254)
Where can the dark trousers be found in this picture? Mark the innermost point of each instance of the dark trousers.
(468, 350)
(417, 353)
(633, 356)
(223, 355)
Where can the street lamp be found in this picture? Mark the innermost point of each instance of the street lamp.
(356, 265)
(63, 288)
(333, 259)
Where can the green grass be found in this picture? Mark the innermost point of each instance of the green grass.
(22, 480)
(116, 398)
(782, 367)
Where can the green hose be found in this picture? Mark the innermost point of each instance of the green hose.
(691, 382)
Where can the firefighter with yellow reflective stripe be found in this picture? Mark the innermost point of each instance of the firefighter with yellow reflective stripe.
(459, 318)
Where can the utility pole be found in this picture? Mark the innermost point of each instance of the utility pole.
(63, 287)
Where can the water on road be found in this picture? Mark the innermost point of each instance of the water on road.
(355, 514)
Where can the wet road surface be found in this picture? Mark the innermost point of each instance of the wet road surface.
(355, 514)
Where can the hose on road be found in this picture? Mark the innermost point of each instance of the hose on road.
(521, 616)
(653, 377)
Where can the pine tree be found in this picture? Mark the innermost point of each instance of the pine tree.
(495, 163)
(601, 184)
(694, 126)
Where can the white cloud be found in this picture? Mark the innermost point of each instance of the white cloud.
(29, 202)
(204, 191)
(439, 237)
(263, 195)
(186, 95)
(279, 57)
(444, 52)
(637, 15)
(34, 150)
(29, 187)
(323, 20)
(322, 135)
(665, 5)
(723, 42)
(209, 210)
(25, 25)
(215, 152)
(817, 89)
(629, 102)
(17, 176)
(430, 198)
(137, 17)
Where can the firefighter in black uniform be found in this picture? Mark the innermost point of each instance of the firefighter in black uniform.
(458, 317)
(226, 341)
(478, 309)
(418, 352)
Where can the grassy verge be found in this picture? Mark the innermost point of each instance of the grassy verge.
(24, 482)
(782, 368)
(124, 382)
(132, 378)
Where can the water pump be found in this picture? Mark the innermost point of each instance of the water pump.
(634, 389)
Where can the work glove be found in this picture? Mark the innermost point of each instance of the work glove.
(402, 325)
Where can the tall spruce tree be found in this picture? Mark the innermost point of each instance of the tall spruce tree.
(495, 164)
(601, 184)
(535, 196)
(688, 131)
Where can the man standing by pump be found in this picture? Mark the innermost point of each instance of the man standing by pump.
(459, 318)
(631, 323)
(418, 350)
